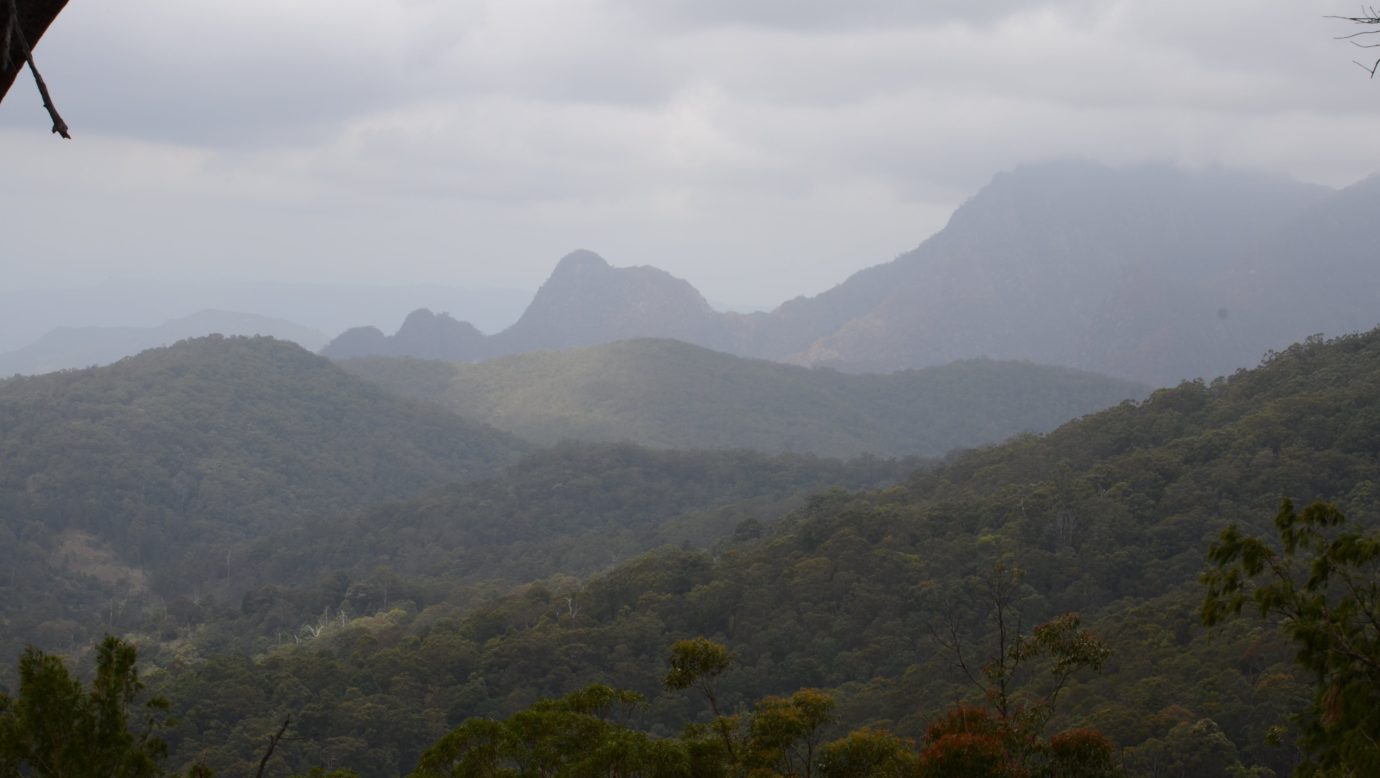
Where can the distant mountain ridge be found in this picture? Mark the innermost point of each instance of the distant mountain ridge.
(1151, 274)
(669, 394)
(325, 306)
(75, 347)
(584, 302)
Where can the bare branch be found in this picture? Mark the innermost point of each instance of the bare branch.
(272, 744)
(15, 34)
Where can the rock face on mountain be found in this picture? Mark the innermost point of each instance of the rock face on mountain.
(1119, 272)
(1152, 274)
(584, 302)
(1319, 274)
(423, 334)
(587, 302)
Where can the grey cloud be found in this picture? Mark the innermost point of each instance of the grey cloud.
(760, 149)
(816, 15)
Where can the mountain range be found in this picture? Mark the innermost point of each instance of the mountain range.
(670, 394)
(74, 347)
(1109, 517)
(141, 302)
(1152, 274)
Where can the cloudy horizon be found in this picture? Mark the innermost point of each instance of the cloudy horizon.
(760, 150)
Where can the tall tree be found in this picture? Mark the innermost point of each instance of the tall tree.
(57, 729)
(1321, 584)
(1021, 678)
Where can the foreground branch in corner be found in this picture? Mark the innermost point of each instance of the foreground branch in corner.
(1373, 20)
(15, 41)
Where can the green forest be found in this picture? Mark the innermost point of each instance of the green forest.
(1036, 607)
(689, 389)
(669, 394)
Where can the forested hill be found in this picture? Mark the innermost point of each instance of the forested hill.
(1110, 516)
(560, 513)
(122, 481)
(670, 394)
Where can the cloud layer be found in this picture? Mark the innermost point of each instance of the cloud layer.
(761, 149)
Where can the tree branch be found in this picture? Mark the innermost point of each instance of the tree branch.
(272, 744)
(1372, 19)
(15, 34)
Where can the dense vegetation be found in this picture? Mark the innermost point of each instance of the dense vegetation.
(554, 516)
(128, 486)
(381, 629)
(53, 728)
(1321, 582)
(670, 394)
(574, 510)
(855, 593)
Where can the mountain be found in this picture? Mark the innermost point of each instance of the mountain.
(27, 314)
(669, 394)
(584, 302)
(127, 484)
(1151, 274)
(424, 334)
(857, 593)
(1317, 273)
(71, 347)
(1115, 271)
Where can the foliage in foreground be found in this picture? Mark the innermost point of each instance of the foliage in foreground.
(1322, 585)
(55, 728)
(587, 734)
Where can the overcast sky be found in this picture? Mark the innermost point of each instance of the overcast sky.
(758, 148)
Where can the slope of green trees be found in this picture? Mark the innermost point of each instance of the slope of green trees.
(555, 516)
(126, 487)
(668, 394)
(866, 594)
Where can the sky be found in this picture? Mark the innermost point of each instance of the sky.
(760, 149)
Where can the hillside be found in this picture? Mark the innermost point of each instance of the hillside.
(1151, 274)
(1109, 515)
(126, 485)
(72, 347)
(668, 394)
(557, 514)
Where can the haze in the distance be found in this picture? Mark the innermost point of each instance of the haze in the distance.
(760, 150)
